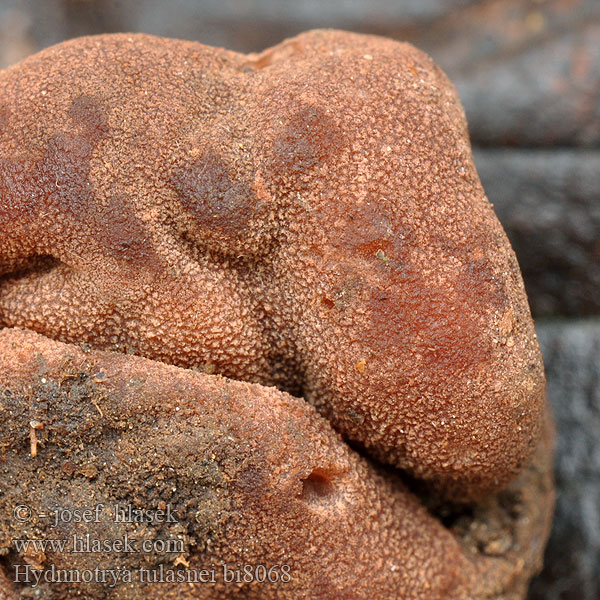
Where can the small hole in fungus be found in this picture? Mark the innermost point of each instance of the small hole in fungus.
(316, 486)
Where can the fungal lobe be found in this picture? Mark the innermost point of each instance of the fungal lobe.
(308, 218)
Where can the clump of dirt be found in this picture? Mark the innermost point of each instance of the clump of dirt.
(154, 479)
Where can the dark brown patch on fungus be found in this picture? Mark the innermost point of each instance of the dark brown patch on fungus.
(309, 137)
(314, 223)
(215, 198)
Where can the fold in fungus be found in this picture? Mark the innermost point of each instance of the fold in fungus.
(308, 218)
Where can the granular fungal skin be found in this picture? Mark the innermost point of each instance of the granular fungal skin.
(308, 218)
(255, 477)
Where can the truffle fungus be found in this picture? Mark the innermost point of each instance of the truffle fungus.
(307, 218)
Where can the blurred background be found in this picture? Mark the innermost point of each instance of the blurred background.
(528, 74)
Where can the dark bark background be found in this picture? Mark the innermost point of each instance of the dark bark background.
(528, 73)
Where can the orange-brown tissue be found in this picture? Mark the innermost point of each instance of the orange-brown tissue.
(308, 218)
